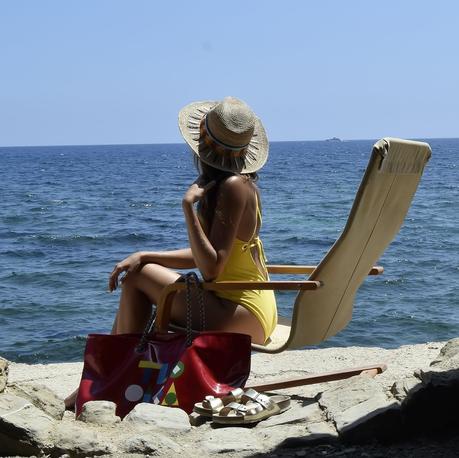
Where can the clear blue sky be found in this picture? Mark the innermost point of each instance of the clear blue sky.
(106, 71)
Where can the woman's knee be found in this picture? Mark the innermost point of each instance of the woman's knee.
(146, 272)
(151, 279)
(157, 274)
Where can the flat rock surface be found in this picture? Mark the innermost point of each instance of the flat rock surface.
(40, 396)
(228, 440)
(63, 378)
(3, 373)
(22, 426)
(295, 432)
(77, 439)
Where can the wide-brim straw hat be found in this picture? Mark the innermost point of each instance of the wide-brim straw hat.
(226, 135)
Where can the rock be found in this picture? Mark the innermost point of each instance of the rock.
(230, 440)
(10, 403)
(434, 406)
(149, 416)
(448, 358)
(99, 413)
(296, 414)
(302, 434)
(80, 440)
(68, 415)
(406, 387)
(316, 433)
(361, 411)
(360, 408)
(322, 432)
(61, 378)
(444, 370)
(138, 444)
(41, 397)
(24, 429)
(147, 443)
(3, 373)
(197, 420)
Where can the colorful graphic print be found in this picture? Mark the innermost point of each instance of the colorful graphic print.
(159, 390)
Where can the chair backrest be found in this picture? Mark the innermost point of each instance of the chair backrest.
(380, 206)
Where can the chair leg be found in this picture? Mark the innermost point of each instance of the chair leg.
(312, 379)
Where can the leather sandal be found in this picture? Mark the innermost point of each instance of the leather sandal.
(252, 408)
(212, 405)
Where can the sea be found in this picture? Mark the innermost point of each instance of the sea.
(68, 214)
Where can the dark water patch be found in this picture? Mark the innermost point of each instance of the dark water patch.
(52, 351)
(24, 255)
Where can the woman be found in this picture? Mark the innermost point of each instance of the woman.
(230, 145)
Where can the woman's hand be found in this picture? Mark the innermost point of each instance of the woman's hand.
(131, 264)
(196, 191)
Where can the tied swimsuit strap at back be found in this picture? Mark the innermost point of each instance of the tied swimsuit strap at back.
(255, 241)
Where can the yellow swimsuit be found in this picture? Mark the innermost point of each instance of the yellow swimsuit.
(241, 266)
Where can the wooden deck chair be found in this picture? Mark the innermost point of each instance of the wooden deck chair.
(324, 303)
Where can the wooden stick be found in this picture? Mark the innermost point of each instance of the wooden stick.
(251, 285)
(318, 378)
(292, 269)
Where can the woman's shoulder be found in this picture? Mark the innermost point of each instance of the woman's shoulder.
(237, 191)
(237, 184)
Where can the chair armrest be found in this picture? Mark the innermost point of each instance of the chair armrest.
(163, 308)
(292, 269)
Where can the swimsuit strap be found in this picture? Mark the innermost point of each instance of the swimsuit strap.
(255, 241)
(255, 235)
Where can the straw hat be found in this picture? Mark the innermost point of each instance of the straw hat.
(225, 134)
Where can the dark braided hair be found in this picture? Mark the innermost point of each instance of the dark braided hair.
(208, 203)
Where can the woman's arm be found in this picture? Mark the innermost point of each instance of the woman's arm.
(176, 259)
(211, 252)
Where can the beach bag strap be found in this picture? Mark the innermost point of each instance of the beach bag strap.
(193, 284)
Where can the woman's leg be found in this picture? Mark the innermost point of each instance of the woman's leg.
(219, 315)
(142, 289)
(139, 291)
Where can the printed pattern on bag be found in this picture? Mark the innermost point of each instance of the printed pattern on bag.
(165, 393)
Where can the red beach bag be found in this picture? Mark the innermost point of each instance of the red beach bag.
(170, 369)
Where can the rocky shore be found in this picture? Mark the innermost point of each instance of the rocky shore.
(409, 410)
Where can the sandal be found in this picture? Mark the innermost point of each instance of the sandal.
(253, 408)
(212, 405)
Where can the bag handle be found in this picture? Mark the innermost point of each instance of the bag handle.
(192, 280)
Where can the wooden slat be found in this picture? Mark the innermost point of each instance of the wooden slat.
(251, 285)
(290, 269)
(319, 378)
(293, 269)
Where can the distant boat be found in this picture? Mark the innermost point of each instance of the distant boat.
(333, 139)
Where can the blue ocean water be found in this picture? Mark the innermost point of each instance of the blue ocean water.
(69, 213)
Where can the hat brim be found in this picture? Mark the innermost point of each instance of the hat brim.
(189, 124)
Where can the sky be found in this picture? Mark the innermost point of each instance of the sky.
(116, 72)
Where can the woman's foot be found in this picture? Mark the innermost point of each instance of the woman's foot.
(69, 401)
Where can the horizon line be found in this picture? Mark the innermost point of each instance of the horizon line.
(339, 140)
